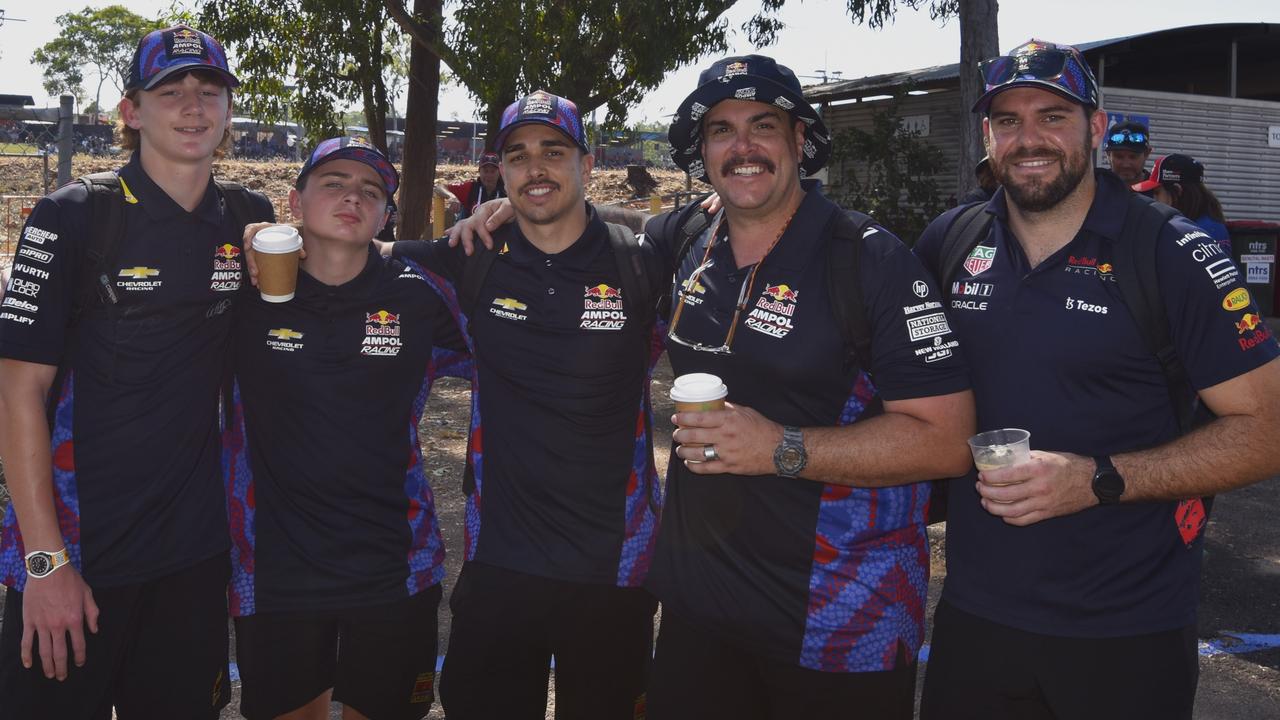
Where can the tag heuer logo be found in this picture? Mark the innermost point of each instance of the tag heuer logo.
(285, 334)
(139, 273)
(980, 259)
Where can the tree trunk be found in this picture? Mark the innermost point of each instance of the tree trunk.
(419, 167)
(375, 101)
(979, 40)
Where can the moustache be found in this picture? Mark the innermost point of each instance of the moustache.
(733, 162)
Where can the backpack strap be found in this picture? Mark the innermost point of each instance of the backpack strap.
(844, 283)
(693, 221)
(639, 284)
(970, 227)
(106, 208)
(475, 268)
(235, 198)
(1138, 278)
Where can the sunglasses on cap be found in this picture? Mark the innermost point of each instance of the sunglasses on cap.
(1051, 65)
(1128, 137)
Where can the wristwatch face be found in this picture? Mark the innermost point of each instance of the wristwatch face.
(790, 458)
(39, 565)
(1108, 485)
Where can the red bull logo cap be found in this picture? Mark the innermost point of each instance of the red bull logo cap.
(161, 53)
(349, 148)
(543, 107)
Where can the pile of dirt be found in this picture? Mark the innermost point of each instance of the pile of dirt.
(23, 176)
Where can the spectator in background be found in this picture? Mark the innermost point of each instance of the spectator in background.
(463, 197)
(1128, 145)
(1178, 181)
(987, 183)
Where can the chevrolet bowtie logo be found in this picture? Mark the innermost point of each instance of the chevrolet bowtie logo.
(285, 334)
(139, 272)
(510, 304)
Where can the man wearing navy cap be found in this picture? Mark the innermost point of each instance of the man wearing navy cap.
(1128, 145)
(562, 492)
(792, 561)
(462, 198)
(337, 557)
(109, 416)
(1072, 579)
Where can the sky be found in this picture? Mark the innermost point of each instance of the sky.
(819, 38)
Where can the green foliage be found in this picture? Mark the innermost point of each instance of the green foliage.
(764, 27)
(888, 173)
(338, 52)
(594, 52)
(104, 38)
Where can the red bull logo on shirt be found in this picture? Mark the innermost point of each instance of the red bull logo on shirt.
(774, 311)
(227, 271)
(1257, 330)
(602, 308)
(381, 334)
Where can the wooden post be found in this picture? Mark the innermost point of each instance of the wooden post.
(437, 216)
(655, 204)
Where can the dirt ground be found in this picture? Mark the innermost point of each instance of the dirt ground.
(22, 176)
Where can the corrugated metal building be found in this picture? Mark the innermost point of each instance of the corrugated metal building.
(1210, 91)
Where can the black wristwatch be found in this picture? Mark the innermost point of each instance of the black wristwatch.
(790, 456)
(1107, 483)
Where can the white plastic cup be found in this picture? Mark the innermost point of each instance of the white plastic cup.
(277, 249)
(1000, 448)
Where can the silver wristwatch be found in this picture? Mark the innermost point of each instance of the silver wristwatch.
(790, 457)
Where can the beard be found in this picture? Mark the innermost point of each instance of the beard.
(1040, 195)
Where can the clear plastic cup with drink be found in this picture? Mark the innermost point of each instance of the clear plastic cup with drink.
(1000, 448)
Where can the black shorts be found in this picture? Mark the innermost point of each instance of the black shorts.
(981, 669)
(379, 660)
(160, 652)
(506, 628)
(697, 676)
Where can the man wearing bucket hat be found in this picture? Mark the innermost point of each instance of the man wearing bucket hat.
(1072, 579)
(115, 546)
(562, 492)
(330, 387)
(462, 198)
(792, 561)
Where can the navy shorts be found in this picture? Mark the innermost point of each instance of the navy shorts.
(160, 652)
(379, 660)
(979, 669)
(507, 626)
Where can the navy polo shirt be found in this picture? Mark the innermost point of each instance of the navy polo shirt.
(823, 576)
(564, 483)
(135, 430)
(330, 503)
(1054, 350)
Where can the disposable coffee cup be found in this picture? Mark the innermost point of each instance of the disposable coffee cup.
(1000, 448)
(276, 249)
(696, 392)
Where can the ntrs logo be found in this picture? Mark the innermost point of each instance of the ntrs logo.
(782, 292)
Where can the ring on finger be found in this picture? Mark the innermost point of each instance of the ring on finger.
(709, 453)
